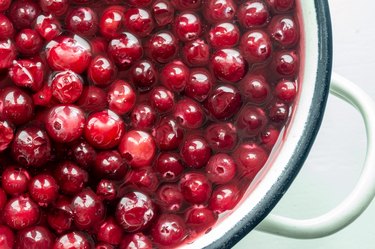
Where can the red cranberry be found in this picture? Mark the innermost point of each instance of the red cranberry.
(269, 137)
(99, 46)
(143, 116)
(221, 136)
(15, 180)
(221, 168)
(199, 84)
(48, 27)
(168, 134)
(88, 209)
(253, 13)
(168, 165)
(68, 53)
(136, 241)
(138, 21)
(144, 74)
(162, 47)
(187, 26)
(23, 13)
(278, 112)
(224, 198)
(111, 22)
(228, 65)
(3, 200)
(135, 211)
(83, 153)
(281, 5)
(60, 216)
(224, 35)
(196, 53)
(74, 240)
(70, 178)
(162, 99)
(169, 197)
(43, 189)
(35, 238)
(106, 190)
(200, 219)
(139, 3)
(219, 10)
(110, 164)
(110, 232)
(92, 99)
(6, 27)
(286, 90)
(195, 152)
(66, 87)
(250, 158)
(31, 146)
(104, 246)
(20, 212)
(6, 237)
(251, 120)
(104, 129)
(224, 102)
(284, 31)
(6, 135)
(286, 63)
(174, 76)
(189, 113)
(101, 71)
(138, 148)
(121, 97)
(27, 73)
(255, 88)
(4, 5)
(195, 187)
(125, 50)
(256, 46)
(82, 21)
(55, 7)
(163, 12)
(8, 53)
(143, 178)
(44, 96)
(187, 4)
(169, 230)
(28, 42)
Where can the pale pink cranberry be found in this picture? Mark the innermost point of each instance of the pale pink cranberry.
(138, 21)
(281, 5)
(34, 237)
(196, 53)
(174, 76)
(70, 178)
(162, 99)
(88, 209)
(253, 13)
(43, 97)
(256, 46)
(55, 7)
(121, 97)
(101, 71)
(139, 3)
(221, 136)
(219, 10)
(92, 99)
(163, 12)
(6, 27)
(162, 47)
(65, 123)
(8, 53)
(136, 241)
(27, 74)
(20, 212)
(68, 53)
(7, 237)
(125, 50)
(224, 198)
(187, 4)
(110, 164)
(31, 146)
(168, 134)
(104, 129)
(110, 232)
(143, 116)
(200, 219)
(168, 166)
(250, 158)
(83, 153)
(169, 197)
(107, 190)
(187, 26)
(43, 189)
(48, 27)
(111, 22)
(199, 84)
(221, 168)
(195, 152)
(6, 135)
(286, 90)
(135, 211)
(66, 87)
(228, 65)
(189, 114)
(144, 75)
(28, 42)
(4, 5)
(224, 35)
(255, 88)
(284, 30)
(224, 102)
(286, 63)
(278, 112)
(169, 230)
(15, 180)
(269, 137)
(23, 13)
(251, 120)
(138, 148)
(75, 239)
(143, 178)
(3, 200)
(82, 21)
(60, 215)
(195, 187)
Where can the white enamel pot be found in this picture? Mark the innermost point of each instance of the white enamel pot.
(253, 212)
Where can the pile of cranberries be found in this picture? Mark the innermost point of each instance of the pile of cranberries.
(137, 123)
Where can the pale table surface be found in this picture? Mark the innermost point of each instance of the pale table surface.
(334, 163)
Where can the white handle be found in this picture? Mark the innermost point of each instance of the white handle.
(362, 194)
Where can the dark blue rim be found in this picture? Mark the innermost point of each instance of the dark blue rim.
(323, 77)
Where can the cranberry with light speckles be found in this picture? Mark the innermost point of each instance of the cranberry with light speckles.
(70, 178)
(43, 189)
(66, 87)
(15, 180)
(20, 212)
(34, 238)
(110, 164)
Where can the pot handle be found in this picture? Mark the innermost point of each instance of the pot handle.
(362, 194)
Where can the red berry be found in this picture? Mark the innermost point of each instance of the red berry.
(27, 74)
(75, 239)
(169, 230)
(196, 53)
(189, 114)
(228, 65)
(23, 13)
(174, 76)
(200, 219)
(111, 22)
(70, 178)
(195, 188)
(224, 198)
(48, 27)
(121, 97)
(187, 26)
(6, 135)
(21, 212)
(15, 180)
(161, 47)
(195, 152)
(224, 35)
(43, 189)
(162, 99)
(168, 134)
(136, 241)
(255, 88)
(66, 87)
(34, 237)
(82, 21)
(6, 27)
(286, 90)
(253, 13)
(55, 7)
(101, 71)
(110, 232)
(6, 237)
(251, 120)
(110, 164)
(28, 42)
(138, 21)
(169, 166)
(163, 12)
(221, 168)
(219, 10)
(169, 197)
(256, 46)
(92, 99)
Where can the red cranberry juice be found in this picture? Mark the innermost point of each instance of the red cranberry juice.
(137, 124)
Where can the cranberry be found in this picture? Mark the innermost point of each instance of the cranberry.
(189, 114)
(278, 112)
(121, 97)
(221, 168)
(195, 152)
(286, 90)
(8, 53)
(82, 21)
(83, 153)
(6, 237)
(92, 99)
(219, 10)
(55, 7)
(75, 239)
(253, 13)
(68, 53)
(195, 187)
(16, 105)
(143, 116)
(28, 42)
(162, 99)
(23, 13)
(286, 63)
(269, 137)
(221, 136)
(101, 71)
(224, 198)
(144, 74)
(200, 219)
(20, 212)
(70, 178)
(163, 12)
(15, 180)
(48, 27)
(251, 120)
(187, 26)
(174, 76)
(199, 84)
(161, 47)
(6, 27)
(6, 135)
(143, 178)
(187, 4)
(138, 148)
(106, 190)
(4, 5)
(66, 87)
(60, 215)
(111, 22)
(168, 165)
(3, 200)
(281, 5)
(255, 88)
(169, 197)
(135, 211)
(250, 158)
(228, 65)
(138, 21)
(31, 146)
(88, 209)
(168, 134)
(110, 232)
(125, 50)
(136, 241)
(104, 129)
(139, 3)
(284, 31)
(43, 189)
(196, 53)
(35, 238)
(224, 35)
(256, 46)
(110, 164)
(27, 73)
(43, 97)
(169, 230)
